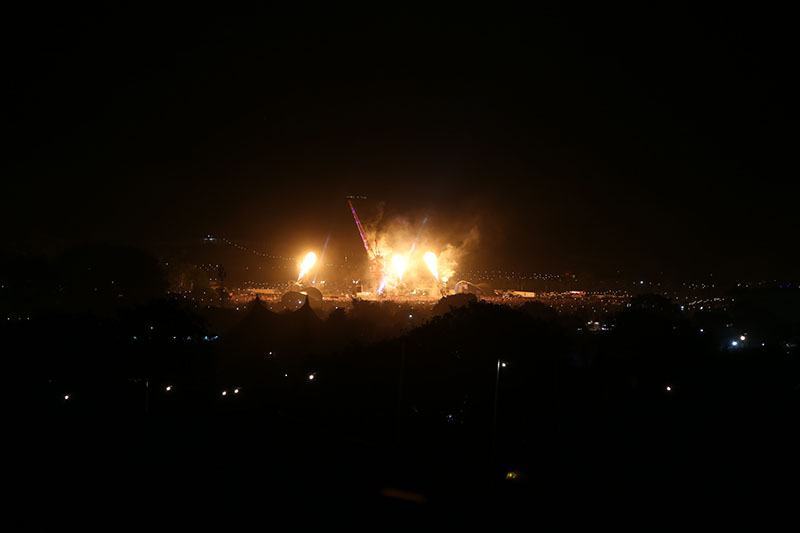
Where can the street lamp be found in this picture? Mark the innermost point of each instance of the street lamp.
(500, 364)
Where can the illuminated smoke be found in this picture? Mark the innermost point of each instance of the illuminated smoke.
(399, 264)
(308, 262)
(418, 234)
(430, 260)
(453, 252)
(409, 237)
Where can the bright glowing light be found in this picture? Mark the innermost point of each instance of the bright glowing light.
(503, 364)
(742, 338)
(224, 393)
(307, 263)
(734, 343)
(311, 377)
(66, 396)
(169, 388)
(669, 389)
(399, 264)
(236, 391)
(430, 260)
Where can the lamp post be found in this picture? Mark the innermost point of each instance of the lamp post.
(500, 364)
(399, 413)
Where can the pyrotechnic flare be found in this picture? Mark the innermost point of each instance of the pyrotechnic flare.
(321, 257)
(430, 260)
(399, 264)
(308, 262)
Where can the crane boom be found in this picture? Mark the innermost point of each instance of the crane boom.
(370, 252)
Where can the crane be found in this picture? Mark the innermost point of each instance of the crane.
(371, 253)
(376, 260)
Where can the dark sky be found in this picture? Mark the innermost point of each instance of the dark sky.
(648, 140)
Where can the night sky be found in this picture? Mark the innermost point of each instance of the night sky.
(644, 141)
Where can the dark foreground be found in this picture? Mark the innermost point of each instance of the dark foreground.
(658, 422)
(230, 468)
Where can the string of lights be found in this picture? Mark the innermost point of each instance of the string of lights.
(249, 249)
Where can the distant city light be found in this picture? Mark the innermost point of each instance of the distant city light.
(224, 393)
(169, 388)
(742, 338)
(66, 396)
(236, 391)
(734, 343)
(311, 376)
(669, 388)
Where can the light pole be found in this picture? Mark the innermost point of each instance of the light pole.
(399, 413)
(500, 364)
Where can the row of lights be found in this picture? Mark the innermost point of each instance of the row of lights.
(168, 388)
(313, 376)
